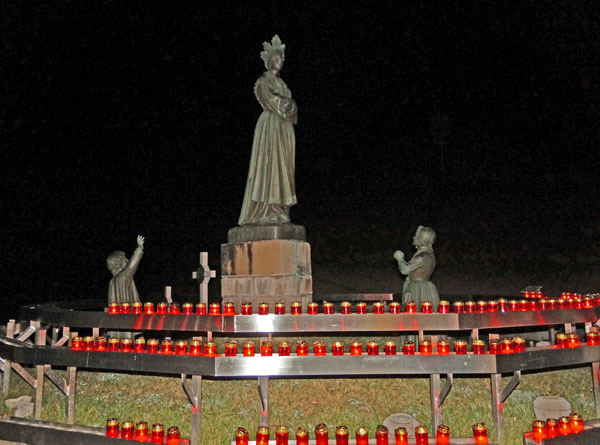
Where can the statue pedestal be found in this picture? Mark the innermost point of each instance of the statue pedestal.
(266, 271)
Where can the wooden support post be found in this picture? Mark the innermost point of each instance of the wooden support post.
(194, 395)
(40, 340)
(10, 333)
(71, 388)
(596, 381)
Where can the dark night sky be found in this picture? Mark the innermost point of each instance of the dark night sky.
(129, 117)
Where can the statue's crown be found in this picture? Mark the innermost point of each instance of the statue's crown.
(270, 49)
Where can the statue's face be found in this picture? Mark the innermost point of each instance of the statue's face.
(276, 62)
(417, 239)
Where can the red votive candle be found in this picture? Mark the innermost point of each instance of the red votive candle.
(246, 308)
(100, 344)
(533, 306)
(458, 307)
(337, 348)
(127, 430)
(321, 434)
(166, 346)
(390, 347)
(196, 348)
(210, 349)
(539, 430)
(302, 348)
(296, 308)
(112, 427)
(564, 426)
(151, 346)
(125, 308)
(77, 344)
(161, 308)
(88, 343)
(444, 307)
(141, 431)
(113, 308)
(187, 308)
(523, 305)
(181, 347)
(327, 308)
(443, 347)
(279, 308)
(313, 308)
(401, 436)
(561, 340)
(588, 303)
(577, 303)
(362, 436)
(551, 428)
(346, 307)
(201, 309)
(214, 309)
(229, 308)
(507, 347)
(543, 304)
(502, 305)
(551, 305)
(480, 434)
(460, 347)
(241, 436)
(411, 307)
(395, 307)
(301, 436)
(263, 308)
(173, 435)
(576, 423)
(266, 348)
(573, 340)
(482, 306)
(425, 347)
(126, 345)
(230, 348)
(443, 435)
(157, 435)
(378, 307)
(283, 348)
(356, 348)
(319, 348)
(174, 309)
(513, 305)
(341, 435)
(148, 308)
(478, 346)
(519, 344)
(372, 348)
(361, 307)
(114, 344)
(249, 349)
(492, 306)
(282, 435)
(262, 435)
(494, 346)
(139, 345)
(382, 435)
(408, 348)
(136, 308)
(592, 338)
(426, 307)
(470, 307)
(421, 435)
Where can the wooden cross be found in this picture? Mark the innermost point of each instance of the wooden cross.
(203, 274)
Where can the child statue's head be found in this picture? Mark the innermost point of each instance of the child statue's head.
(116, 261)
(424, 237)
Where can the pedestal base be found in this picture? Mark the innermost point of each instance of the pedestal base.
(257, 232)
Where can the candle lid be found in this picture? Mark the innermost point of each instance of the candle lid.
(372, 343)
(262, 304)
(181, 343)
(460, 343)
(539, 423)
(564, 419)
(401, 431)
(267, 344)
(152, 341)
(230, 343)
(390, 343)
(355, 343)
(381, 429)
(341, 430)
(173, 430)
(113, 421)
(443, 429)
(125, 341)
(319, 343)
(362, 432)
(301, 432)
(284, 344)
(479, 427)
(140, 341)
(212, 344)
(421, 429)
(81, 339)
(321, 428)
(141, 425)
(441, 342)
(551, 422)
(167, 341)
(444, 303)
(157, 428)
(576, 416)
(127, 424)
(297, 303)
(283, 429)
(87, 339)
(479, 342)
(338, 344)
(302, 343)
(458, 303)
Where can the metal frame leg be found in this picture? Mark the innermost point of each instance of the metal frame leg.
(10, 333)
(263, 390)
(438, 396)
(596, 381)
(40, 339)
(194, 394)
(499, 396)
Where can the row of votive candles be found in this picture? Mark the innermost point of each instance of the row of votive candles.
(378, 307)
(563, 426)
(139, 432)
(382, 435)
(196, 348)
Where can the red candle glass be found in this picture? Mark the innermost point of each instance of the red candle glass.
(166, 346)
(229, 308)
(249, 349)
(319, 348)
(241, 436)
(126, 345)
(408, 348)
(136, 308)
(161, 308)
(127, 430)
(113, 308)
(114, 344)
(523, 305)
(401, 436)
(187, 308)
(551, 428)
(378, 307)
(337, 348)
(282, 435)
(507, 347)
(174, 309)
(382, 435)
(141, 432)
(210, 349)
(88, 343)
(426, 307)
(543, 304)
(533, 306)
(494, 346)
(201, 309)
(151, 346)
(444, 307)
(100, 344)
(181, 347)
(458, 307)
(519, 344)
(573, 340)
(539, 430)
(301, 436)
(246, 308)
(125, 308)
(158, 433)
(482, 306)
(421, 435)
(148, 308)
(470, 307)
(551, 305)
(492, 306)
(502, 305)
(361, 307)
(592, 338)
(513, 305)
(139, 346)
(341, 435)
(390, 347)
(576, 423)
(460, 347)
(564, 426)
(480, 434)
(283, 348)
(356, 348)
(443, 435)
(321, 434)
(112, 427)
(443, 347)
(230, 348)
(214, 309)
(263, 308)
(262, 435)
(327, 308)
(266, 348)
(196, 348)
(346, 307)
(302, 348)
(577, 303)
(411, 307)
(173, 435)
(561, 340)
(395, 307)
(372, 348)
(362, 436)
(313, 308)
(279, 308)
(425, 347)
(296, 308)
(478, 346)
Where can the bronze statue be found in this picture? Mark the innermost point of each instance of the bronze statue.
(417, 286)
(122, 287)
(270, 188)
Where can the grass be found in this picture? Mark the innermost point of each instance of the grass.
(227, 404)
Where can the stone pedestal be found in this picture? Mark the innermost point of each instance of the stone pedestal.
(266, 271)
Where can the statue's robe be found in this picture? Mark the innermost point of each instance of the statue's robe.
(121, 288)
(417, 286)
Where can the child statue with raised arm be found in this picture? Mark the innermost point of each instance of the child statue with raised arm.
(122, 287)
